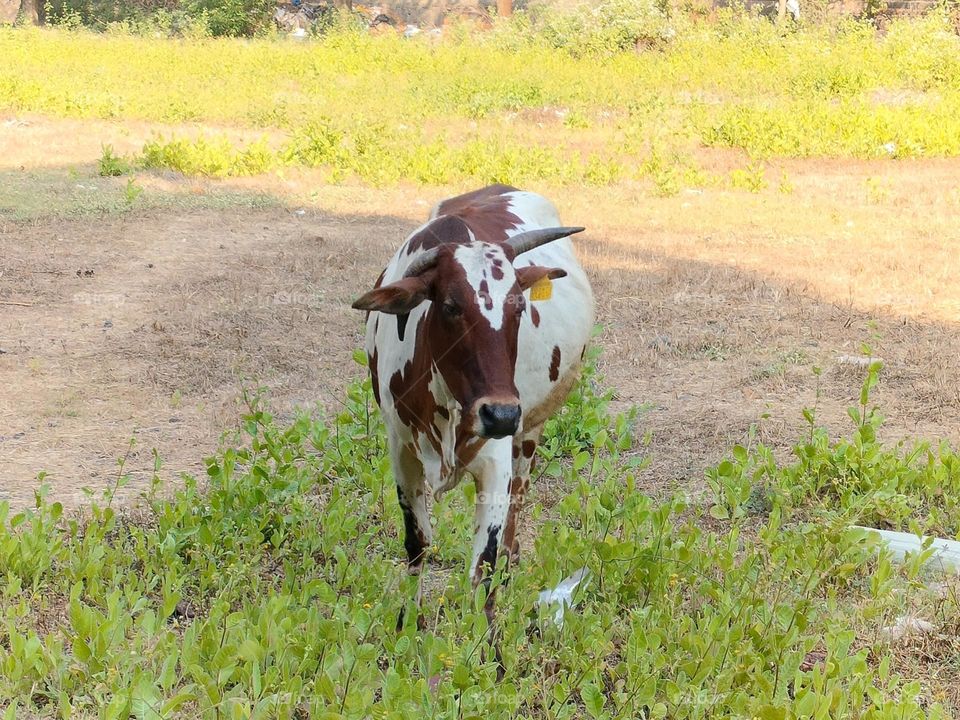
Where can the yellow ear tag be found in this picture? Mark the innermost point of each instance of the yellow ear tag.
(542, 289)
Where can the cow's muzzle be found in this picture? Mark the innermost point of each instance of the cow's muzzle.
(499, 420)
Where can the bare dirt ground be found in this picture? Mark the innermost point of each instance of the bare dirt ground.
(717, 305)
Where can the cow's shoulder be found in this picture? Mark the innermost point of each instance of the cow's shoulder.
(443, 230)
(491, 195)
(487, 212)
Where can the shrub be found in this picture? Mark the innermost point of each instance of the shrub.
(100, 13)
(111, 165)
(233, 18)
(217, 17)
(603, 28)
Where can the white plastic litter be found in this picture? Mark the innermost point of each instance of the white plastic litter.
(858, 360)
(562, 594)
(946, 553)
(908, 625)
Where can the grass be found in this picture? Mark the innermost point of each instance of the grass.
(505, 106)
(271, 588)
(80, 192)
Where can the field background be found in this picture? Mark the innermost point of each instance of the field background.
(723, 277)
(768, 212)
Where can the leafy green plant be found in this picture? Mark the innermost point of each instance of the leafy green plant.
(380, 156)
(910, 488)
(111, 165)
(216, 157)
(271, 588)
(751, 179)
(786, 186)
(131, 192)
(604, 28)
(232, 17)
(664, 172)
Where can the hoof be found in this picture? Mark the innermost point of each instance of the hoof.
(497, 658)
(421, 620)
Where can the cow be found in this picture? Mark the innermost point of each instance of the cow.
(476, 331)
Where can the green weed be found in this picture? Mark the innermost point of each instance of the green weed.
(751, 178)
(206, 17)
(215, 157)
(111, 165)
(131, 192)
(271, 588)
(382, 157)
(857, 479)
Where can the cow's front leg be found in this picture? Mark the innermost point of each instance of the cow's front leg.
(492, 474)
(524, 451)
(411, 494)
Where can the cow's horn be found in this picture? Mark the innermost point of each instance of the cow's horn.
(426, 261)
(526, 241)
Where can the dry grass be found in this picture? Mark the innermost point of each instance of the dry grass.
(716, 305)
(934, 657)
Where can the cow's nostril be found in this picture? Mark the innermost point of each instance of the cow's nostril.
(499, 420)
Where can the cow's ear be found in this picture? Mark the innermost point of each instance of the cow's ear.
(396, 298)
(529, 276)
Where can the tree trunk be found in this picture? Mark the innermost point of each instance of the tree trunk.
(30, 10)
(781, 11)
(504, 8)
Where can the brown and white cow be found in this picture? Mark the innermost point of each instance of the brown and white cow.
(468, 363)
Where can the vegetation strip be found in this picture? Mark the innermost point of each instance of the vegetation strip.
(272, 589)
(389, 109)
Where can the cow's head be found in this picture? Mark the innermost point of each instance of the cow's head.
(471, 327)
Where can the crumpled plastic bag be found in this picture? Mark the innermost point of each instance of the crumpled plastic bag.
(907, 625)
(562, 594)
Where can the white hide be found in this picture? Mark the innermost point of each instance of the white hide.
(477, 269)
(566, 319)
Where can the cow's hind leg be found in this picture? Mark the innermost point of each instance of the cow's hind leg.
(524, 453)
(411, 494)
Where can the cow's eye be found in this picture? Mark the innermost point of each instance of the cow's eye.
(451, 309)
(520, 306)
